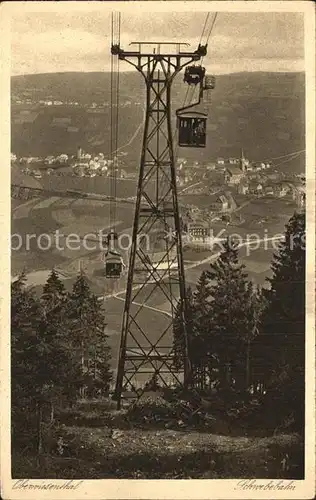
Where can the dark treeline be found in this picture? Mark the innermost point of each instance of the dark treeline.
(59, 351)
(246, 342)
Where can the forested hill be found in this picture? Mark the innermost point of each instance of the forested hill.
(261, 112)
(87, 86)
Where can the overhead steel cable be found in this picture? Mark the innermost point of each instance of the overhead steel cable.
(206, 43)
(114, 116)
(212, 26)
(194, 88)
(111, 122)
(289, 154)
(205, 23)
(117, 105)
(287, 160)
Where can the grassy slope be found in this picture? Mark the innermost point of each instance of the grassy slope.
(104, 452)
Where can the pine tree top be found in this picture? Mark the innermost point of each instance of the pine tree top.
(53, 287)
(81, 286)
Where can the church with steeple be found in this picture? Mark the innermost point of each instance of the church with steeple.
(244, 162)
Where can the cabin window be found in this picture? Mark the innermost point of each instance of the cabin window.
(113, 269)
(192, 131)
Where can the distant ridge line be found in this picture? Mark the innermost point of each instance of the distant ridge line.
(129, 72)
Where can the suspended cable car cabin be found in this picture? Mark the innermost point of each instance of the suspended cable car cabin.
(192, 129)
(209, 82)
(114, 264)
(191, 123)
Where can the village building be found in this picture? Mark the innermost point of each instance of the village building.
(49, 160)
(62, 158)
(210, 166)
(273, 176)
(59, 121)
(233, 175)
(220, 204)
(243, 187)
(299, 195)
(197, 231)
(232, 205)
(281, 189)
(268, 190)
(233, 161)
(255, 188)
(93, 165)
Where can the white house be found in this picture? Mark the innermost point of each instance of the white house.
(49, 160)
(63, 158)
(93, 165)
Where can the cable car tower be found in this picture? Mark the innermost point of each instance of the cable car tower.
(155, 282)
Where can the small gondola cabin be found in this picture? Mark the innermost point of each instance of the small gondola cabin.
(192, 129)
(209, 82)
(113, 265)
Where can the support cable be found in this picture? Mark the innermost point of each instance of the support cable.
(114, 116)
(111, 124)
(201, 61)
(211, 29)
(288, 155)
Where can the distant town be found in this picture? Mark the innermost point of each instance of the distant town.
(82, 164)
(26, 99)
(227, 184)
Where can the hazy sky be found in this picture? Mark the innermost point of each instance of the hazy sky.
(69, 41)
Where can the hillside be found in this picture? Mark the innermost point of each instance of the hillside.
(19, 178)
(261, 112)
(85, 87)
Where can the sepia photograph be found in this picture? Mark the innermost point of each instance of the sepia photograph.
(160, 285)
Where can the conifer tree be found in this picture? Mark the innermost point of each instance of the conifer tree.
(178, 331)
(78, 311)
(231, 316)
(202, 355)
(224, 315)
(28, 377)
(58, 356)
(88, 337)
(54, 292)
(282, 343)
(100, 354)
(26, 317)
(198, 333)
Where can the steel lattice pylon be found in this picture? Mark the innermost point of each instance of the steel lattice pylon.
(156, 272)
